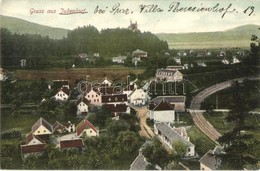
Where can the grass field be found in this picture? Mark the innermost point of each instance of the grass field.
(113, 73)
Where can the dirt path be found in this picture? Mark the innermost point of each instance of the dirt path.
(142, 114)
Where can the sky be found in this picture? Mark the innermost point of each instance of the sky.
(156, 22)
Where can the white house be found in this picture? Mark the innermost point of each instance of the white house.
(119, 59)
(169, 136)
(129, 89)
(138, 97)
(106, 82)
(86, 128)
(42, 129)
(169, 74)
(94, 97)
(3, 74)
(139, 53)
(82, 105)
(70, 127)
(225, 61)
(63, 94)
(235, 60)
(162, 112)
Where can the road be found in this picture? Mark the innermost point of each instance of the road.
(197, 115)
(142, 113)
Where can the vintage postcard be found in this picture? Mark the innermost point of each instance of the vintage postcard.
(130, 84)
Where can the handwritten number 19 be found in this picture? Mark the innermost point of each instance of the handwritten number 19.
(250, 9)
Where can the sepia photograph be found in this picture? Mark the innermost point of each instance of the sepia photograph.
(130, 85)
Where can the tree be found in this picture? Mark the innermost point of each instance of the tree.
(127, 141)
(237, 143)
(179, 151)
(156, 154)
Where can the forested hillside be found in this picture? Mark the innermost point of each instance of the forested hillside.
(41, 51)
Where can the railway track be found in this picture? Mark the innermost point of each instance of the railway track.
(197, 115)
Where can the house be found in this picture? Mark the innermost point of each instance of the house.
(71, 144)
(169, 74)
(86, 128)
(119, 59)
(106, 82)
(23, 62)
(210, 161)
(70, 127)
(114, 99)
(235, 60)
(138, 97)
(117, 109)
(3, 74)
(133, 26)
(94, 97)
(224, 61)
(82, 105)
(162, 112)
(58, 127)
(201, 64)
(63, 94)
(42, 129)
(34, 146)
(140, 162)
(36, 149)
(129, 89)
(169, 136)
(177, 101)
(139, 54)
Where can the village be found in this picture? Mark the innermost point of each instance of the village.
(171, 114)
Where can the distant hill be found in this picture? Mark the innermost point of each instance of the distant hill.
(235, 37)
(20, 26)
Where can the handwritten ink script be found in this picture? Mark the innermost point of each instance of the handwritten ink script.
(171, 8)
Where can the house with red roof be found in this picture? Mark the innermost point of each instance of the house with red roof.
(86, 128)
(71, 144)
(117, 109)
(33, 146)
(162, 112)
(114, 99)
(63, 94)
(82, 105)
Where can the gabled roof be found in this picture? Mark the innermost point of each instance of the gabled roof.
(84, 100)
(57, 125)
(171, 99)
(171, 134)
(163, 105)
(42, 122)
(30, 137)
(103, 82)
(114, 98)
(73, 143)
(209, 160)
(65, 90)
(181, 131)
(83, 125)
(116, 107)
(32, 148)
(139, 163)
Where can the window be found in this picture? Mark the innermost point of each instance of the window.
(90, 131)
(88, 95)
(38, 131)
(96, 95)
(94, 100)
(92, 95)
(188, 149)
(63, 94)
(97, 100)
(44, 131)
